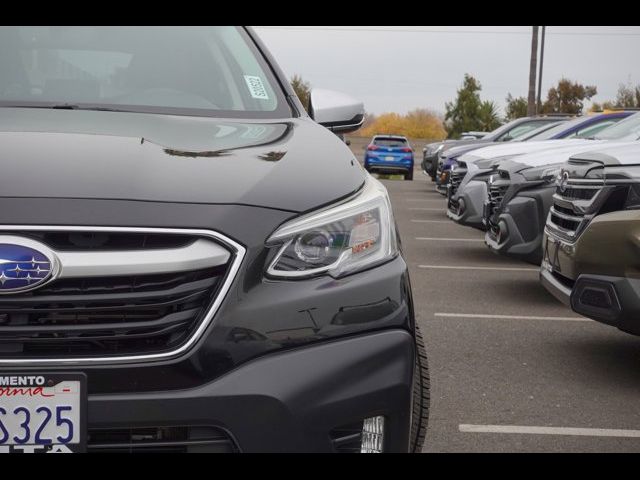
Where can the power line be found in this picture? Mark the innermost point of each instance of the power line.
(448, 32)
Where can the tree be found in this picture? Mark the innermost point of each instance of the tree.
(419, 123)
(516, 107)
(568, 97)
(423, 123)
(488, 116)
(628, 96)
(302, 89)
(531, 104)
(468, 112)
(462, 114)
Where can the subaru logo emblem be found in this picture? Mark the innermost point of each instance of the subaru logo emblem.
(24, 265)
(564, 182)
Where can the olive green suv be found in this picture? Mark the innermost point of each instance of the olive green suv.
(591, 258)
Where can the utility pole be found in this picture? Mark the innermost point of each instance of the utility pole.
(531, 110)
(542, 42)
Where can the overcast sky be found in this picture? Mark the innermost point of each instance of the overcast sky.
(402, 68)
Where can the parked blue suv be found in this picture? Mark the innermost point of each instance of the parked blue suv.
(390, 154)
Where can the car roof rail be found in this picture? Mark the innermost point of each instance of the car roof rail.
(616, 110)
(553, 114)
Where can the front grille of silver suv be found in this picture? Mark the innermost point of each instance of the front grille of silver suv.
(579, 201)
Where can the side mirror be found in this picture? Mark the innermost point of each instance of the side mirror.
(336, 111)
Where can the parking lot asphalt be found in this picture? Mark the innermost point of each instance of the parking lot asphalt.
(512, 370)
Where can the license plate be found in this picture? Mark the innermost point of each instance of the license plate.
(390, 159)
(41, 413)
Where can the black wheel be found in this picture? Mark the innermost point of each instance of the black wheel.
(421, 396)
(409, 176)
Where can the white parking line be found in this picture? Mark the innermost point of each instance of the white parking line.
(432, 221)
(575, 432)
(488, 269)
(430, 239)
(511, 317)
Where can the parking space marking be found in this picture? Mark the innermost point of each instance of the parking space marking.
(574, 432)
(431, 221)
(420, 209)
(432, 239)
(488, 269)
(512, 317)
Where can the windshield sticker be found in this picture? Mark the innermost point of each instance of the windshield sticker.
(256, 87)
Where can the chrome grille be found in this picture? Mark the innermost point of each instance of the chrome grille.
(496, 196)
(120, 304)
(575, 205)
(583, 192)
(455, 179)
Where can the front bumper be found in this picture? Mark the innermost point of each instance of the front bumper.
(555, 285)
(430, 165)
(597, 275)
(521, 224)
(472, 197)
(287, 402)
(613, 301)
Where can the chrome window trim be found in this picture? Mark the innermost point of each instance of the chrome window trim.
(236, 248)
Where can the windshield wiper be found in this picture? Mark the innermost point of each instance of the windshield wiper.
(93, 108)
(62, 106)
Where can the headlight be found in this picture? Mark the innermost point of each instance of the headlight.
(485, 163)
(547, 173)
(340, 240)
(633, 197)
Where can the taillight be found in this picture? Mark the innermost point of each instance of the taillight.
(372, 148)
(407, 150)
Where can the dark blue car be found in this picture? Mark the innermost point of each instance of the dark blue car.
(390, 154)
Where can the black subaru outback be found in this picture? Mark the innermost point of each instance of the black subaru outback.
(188, 261)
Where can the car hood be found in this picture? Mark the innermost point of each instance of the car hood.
(513, 149)
(556, 156)
(615, 154)
(463, 146)
(294, 165)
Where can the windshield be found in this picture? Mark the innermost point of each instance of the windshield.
(540, 133)
(517, 128)
(566, 130)
(183, 70)
(626, 130)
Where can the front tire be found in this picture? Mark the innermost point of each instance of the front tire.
(421, 396)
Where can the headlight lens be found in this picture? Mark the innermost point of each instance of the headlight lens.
(547, 173)
(337, 241)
